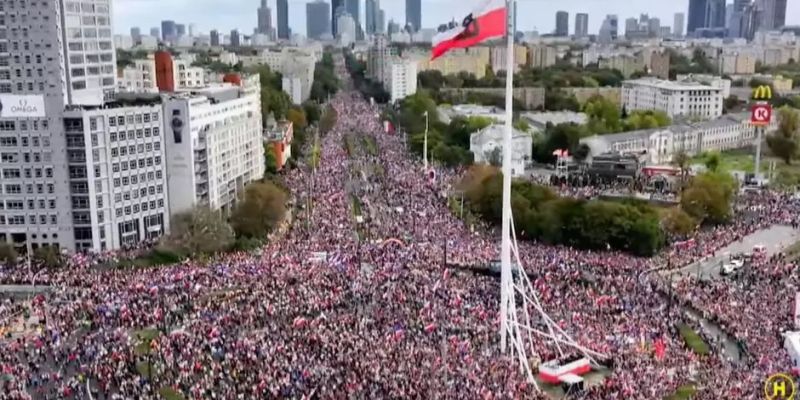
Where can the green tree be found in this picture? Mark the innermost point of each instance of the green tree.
(678, 222)
(262, 210)
(494, 157)
(784, 142)
(8, 256)
(312, 112)
(270, 162)
(713, 161)
(48, 256)
(298, 117)
(200, 231)
(328, 120)
(682, 161)
(709, 196)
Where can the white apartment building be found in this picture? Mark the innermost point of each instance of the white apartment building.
(141, 76)
(677, 99)
(731, 131)
(90, 57)
(403, 80)
(117, 177)
(483, 143)
(214, 142)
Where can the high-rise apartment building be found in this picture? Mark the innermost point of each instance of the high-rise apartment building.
(168, 31)
(562, 24)
(317, 19)
(264, 19)
(678, 24)
(581, 25)
(283, 20)
(414, 15)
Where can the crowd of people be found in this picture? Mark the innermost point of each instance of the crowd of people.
(364, 297)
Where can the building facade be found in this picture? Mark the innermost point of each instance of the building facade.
(264, 14)
(283, 20)
(676, 99)
(214, 141)
(486, 146)
(317, 19)
(562, 24)
(117, 179)
(581, 25)
(403, 80)
(414, 15)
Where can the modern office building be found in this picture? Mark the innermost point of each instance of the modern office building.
(675, 98)
(678, 25)
(168, 31)
(581, 25)
(115, 163)
(347, 29)
(414, 15)
(214, 38)
(136, 34)
(283, 20)
(264, 13)
(317, 19)
(353, 7)
(370, 15)
(773, 14)
(214, 142)
(562, 24)
(706, 14)
(180, 30)
(337, 7)
(236, 38)
(155, 32)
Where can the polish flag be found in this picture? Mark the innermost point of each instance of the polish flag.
(487, 21)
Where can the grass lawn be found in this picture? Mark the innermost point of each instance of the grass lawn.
(169, 393)
(684, 392)
(744, 160)
(693, 340)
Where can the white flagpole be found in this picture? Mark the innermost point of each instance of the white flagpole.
(506, 288)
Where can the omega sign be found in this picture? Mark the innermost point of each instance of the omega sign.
(15, 106)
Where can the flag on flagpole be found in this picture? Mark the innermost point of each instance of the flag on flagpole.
(487, 21)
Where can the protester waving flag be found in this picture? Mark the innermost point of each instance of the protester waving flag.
(487, 21)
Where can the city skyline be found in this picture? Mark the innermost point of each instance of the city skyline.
(533, 14)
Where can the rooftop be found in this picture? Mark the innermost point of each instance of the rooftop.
(668, 85)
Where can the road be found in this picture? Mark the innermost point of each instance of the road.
(776, 239)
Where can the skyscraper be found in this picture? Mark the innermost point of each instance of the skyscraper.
(581, 25)
(168, 31)
(697, 15)
(414, 14)
(773, 13)
(136, 34)
(654, 27)
(678, 24)
(236, 38)
(155, 32)
(613, 24)
(214, 37)
(353, 8)
(715, 14)
(370, 13)
(337, 6)
(180, 30)
(283, 20)
(317, 19)
(380, 21)
(264, 19)
(562, 24)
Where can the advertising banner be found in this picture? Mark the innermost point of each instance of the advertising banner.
(21, 106)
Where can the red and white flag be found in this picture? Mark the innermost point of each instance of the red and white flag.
(487, 21)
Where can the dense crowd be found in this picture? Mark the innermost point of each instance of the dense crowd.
(357, 300)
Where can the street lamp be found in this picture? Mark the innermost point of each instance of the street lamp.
(425, 142)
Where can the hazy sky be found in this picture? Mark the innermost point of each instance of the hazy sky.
(225, 15)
